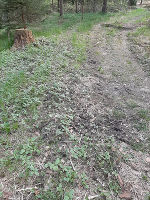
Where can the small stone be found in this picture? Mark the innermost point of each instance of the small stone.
(2, 175)
(148, 159)
(120, 181)
(125, 195)
(113, 149)
(47, 148)
(37, 134)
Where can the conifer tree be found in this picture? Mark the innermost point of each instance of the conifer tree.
(17, 13)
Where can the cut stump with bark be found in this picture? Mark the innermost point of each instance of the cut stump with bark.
(23, 37)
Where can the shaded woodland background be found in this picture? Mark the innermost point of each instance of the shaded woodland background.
(16, 14)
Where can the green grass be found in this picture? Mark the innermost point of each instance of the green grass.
(139, 16)
(54, 25)
(4, 42)
(142, 31)
(79, 45)
(23, 83)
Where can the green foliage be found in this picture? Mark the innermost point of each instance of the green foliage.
(66, 173)
(18, 12)
(142, 31)
(52, 25)
(23, 156)
(144, 114)
(5, 43)
(60, 186)
(79, 152)
(24, 82)
(118, 114)
(100, 69)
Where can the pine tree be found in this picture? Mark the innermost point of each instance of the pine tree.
(17, 13)
(132, 2)
(104, 7)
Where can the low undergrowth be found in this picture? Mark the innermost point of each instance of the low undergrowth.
(53, 26)
(42, 155)
(5, 43)
(50, 146)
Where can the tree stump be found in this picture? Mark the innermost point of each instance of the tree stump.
(22, 38)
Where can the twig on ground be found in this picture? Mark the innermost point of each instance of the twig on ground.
(24, 189)
(72, 164)
(93, 197)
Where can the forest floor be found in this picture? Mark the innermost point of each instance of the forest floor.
(89, 137)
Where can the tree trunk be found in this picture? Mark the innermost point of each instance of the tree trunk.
(23, 19)
(104, 8)
(94, 6)
(58, 5)
(61, 8)
(141, 2)
(52, 3)
(22, 38)
(132, 2)
(76, 4)
(8, 33)
(82, 8)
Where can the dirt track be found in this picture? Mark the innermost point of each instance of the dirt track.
(114, 93)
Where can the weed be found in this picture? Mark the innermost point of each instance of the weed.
(80, 47)
(118, 114)
(100, 69)
(111, 32)
(144, 31)
(5, 43)
(84, 180)
(64, 176)
(144, 114)
(66, 173)
(23, 156)
(79, 152)
(144, 177)
(141, 126)
(147, 197)
(115, 73)
(114, 186)
(138, 146)
(129, 62)
(132, 104)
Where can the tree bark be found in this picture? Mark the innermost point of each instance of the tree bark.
(61, 8)
(132, 2)
(52, 3)
(94, 6)
(58, 5)
(104, 7)
(82, 8)
(23, 19)
(76, 4)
